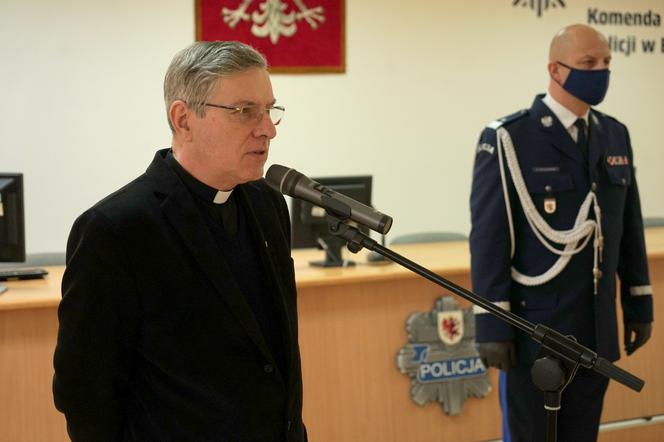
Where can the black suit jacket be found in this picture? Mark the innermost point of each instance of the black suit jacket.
(156, 341)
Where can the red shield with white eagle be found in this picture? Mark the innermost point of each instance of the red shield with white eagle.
(450, 326)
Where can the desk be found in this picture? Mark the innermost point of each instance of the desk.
(352, 324)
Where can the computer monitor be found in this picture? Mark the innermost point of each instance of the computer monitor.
(309, 223)
(12, 226)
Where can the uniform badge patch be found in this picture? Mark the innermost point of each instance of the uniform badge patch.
(547, 121)
(617, 160)
(485, 147)
(440, 357)
(550, 205)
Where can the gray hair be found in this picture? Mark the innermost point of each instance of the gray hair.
(195, 70)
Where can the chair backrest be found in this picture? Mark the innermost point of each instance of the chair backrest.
(423, 237)
(653, 221)
(45, 259)
(37, 260)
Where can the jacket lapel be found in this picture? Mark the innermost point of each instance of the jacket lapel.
(181, 211)
(269, 239)
(552, 129)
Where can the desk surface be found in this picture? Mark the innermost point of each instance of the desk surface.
(447, 259)
(351, 326)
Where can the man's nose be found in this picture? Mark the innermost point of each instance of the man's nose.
(266, 127)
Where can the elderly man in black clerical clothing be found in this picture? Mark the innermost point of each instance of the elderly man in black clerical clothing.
(178, 319)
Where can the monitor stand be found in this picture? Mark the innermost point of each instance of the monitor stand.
(332, 246)
(3, 288)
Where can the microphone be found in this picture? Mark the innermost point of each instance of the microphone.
(292, 183)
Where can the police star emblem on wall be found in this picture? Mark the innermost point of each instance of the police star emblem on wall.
(440, 357)
(539, 6)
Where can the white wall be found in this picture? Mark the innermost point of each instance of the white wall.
(83, 111)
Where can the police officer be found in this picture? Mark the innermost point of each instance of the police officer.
(555, 216)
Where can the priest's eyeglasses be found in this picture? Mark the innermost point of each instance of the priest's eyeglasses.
(250, 112)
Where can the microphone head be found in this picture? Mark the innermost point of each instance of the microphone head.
(275, 176)
(283, 179)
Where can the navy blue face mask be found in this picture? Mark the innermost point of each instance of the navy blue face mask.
(589, 86)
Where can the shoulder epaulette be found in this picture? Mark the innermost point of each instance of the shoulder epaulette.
(495, 124)
(595, 113)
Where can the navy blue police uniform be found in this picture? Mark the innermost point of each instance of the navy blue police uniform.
(558, 178)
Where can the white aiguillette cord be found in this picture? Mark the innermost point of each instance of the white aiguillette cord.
(583, 229)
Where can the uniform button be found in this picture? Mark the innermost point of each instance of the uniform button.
(624, 180)
(268, 368)
(523, 303)
(547, 188)
(593, 187)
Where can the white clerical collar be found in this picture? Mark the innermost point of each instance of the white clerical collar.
(566, 117)
(222, 196)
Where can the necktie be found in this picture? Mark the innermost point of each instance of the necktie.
(581, 139)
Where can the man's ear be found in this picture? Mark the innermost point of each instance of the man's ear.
(555, 72)
(179, 115)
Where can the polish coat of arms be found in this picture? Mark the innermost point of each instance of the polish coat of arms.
(441, 358)
(272, 18)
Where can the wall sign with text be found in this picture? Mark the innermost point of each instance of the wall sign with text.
(294, 35)
(628, 28)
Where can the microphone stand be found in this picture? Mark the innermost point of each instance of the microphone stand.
(547, 372)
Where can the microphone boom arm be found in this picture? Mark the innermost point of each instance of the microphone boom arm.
(561, 346)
